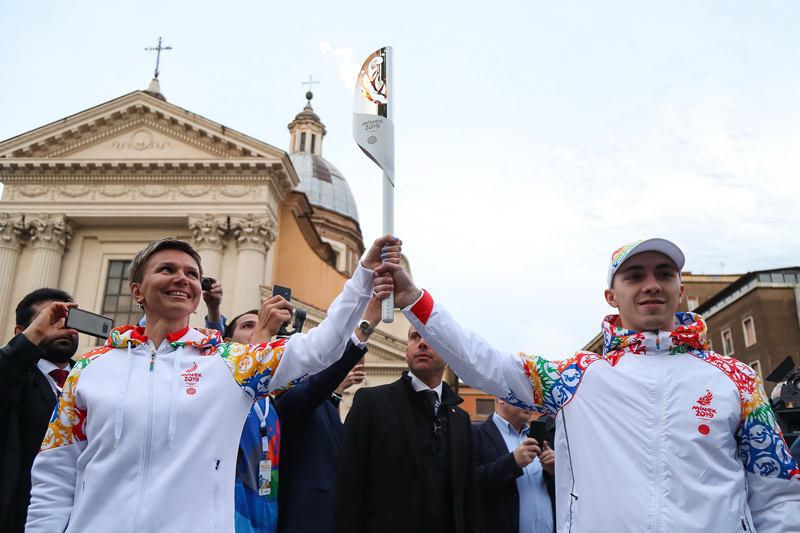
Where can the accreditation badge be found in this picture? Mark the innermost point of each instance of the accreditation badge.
(264, 477)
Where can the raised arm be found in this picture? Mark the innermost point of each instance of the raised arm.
(520, 380)
(267, 367)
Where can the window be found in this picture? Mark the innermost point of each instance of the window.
(727, 342)
(313, 142)
(749, 331)
(756, 365)
(692, 302)
(484, 406)
(118, 302)
(303, 142)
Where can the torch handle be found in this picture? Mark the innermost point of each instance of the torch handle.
(387, 306)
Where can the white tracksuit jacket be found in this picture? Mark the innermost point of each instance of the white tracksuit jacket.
(144, 439)
(656, 435)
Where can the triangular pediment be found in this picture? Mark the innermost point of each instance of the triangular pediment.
(139, 140)
(136, 126)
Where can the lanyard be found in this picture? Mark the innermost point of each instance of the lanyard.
(262, 417)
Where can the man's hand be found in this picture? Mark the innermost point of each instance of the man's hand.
(356, 376)
(526, 452)
(274, 312)
(49, 323)
(548, 459)
(213, 299)
(384, 249)
(391, 277)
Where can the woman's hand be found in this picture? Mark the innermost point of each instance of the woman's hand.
(384, 249)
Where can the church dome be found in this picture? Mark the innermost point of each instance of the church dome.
(324, 184)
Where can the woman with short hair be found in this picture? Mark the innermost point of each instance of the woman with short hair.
(145, 434)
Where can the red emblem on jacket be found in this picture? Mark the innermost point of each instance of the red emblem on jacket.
(704, 411)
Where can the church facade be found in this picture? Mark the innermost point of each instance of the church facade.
(84, 194)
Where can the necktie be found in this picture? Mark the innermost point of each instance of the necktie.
(59, 376)
(431, 398)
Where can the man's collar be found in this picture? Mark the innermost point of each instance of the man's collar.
(504, 425)
(418, 385)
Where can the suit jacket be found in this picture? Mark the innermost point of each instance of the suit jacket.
(310, 431)
(26, 404)
(380, 474)
(497, 477)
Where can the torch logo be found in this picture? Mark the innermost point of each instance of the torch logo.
(373, 87)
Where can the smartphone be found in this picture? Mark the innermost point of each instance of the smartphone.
(205, 283)
(286, 292)
(89, 323)
(537, 431)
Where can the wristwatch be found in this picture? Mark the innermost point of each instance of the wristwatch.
(366, 327)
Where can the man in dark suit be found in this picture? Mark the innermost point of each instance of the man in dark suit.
(514, 473)
(407, 462)
(33, 367)
(310, 433)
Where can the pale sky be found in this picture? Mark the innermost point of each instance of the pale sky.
(533, 138)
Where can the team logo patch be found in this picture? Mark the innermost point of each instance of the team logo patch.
(191, 378)
(704, 412)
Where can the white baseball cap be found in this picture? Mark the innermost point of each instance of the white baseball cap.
(650, 245)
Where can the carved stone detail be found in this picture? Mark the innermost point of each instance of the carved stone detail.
(254, 232)
(50, 231)
(12, 231)
(209, 231)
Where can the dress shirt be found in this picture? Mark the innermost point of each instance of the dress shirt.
(418, 386)
(535, 510)
(46, 367)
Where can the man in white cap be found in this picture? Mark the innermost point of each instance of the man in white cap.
(656, 433)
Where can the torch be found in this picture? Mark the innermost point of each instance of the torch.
(373, 131)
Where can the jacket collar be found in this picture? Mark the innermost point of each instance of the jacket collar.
(689, 334)
(448, 396)
(134, 336)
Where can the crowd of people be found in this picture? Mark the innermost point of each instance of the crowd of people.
(233, 427)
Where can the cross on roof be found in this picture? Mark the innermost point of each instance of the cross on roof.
(309, 82)
(158, 53)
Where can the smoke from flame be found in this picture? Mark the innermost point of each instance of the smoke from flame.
(348, 71)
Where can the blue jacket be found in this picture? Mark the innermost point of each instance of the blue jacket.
(311, 429)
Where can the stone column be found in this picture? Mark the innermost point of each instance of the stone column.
(12, 229)
(208, 234)
(254, 235)
(49, 234)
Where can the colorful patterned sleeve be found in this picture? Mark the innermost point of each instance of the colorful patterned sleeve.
(253, 365)
(261, 369)
(55, 470)
(522, 380)
(773, 477)
(554, 382)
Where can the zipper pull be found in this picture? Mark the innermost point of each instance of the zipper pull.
(152, 360)
(216, 466)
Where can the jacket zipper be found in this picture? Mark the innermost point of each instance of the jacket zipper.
(145, 472)
(656, 447)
